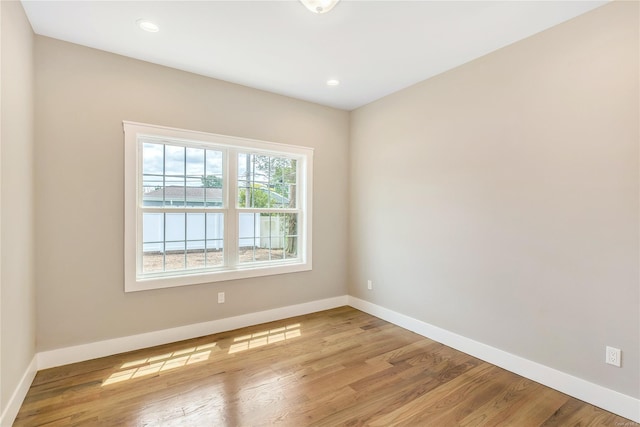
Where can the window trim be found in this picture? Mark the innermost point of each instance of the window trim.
(132, 215)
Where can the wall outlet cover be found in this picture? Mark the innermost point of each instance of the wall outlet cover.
(613, 356)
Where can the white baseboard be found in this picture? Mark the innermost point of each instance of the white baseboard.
(610, 400)
(13, 406)
(79, 353)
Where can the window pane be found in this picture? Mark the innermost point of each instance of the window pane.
(288, 182)
(174, 160)
(213, 178)
(214, 253)
(152, 159)
(175, 227)
(152, 262)
(214, 162)
(289, 224)
(174, 256)
(215, 226)
(247, 228)
(214, 242)
(152, 230)
(175, 244)
(152, 170)
(174, 191)
(195, 180)
(214, 197)
(152, 242)
(267, 237)
(194, 196)
(244, 179)
(195, 258)
(195, 227)
(214, 245)
(195, 161)
(266, 182)
(152, 190)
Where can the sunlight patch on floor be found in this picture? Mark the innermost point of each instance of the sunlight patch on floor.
(160, 363)
(263, 338)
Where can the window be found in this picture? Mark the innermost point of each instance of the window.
(201, 207)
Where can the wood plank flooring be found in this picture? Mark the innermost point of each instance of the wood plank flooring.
(339, 367)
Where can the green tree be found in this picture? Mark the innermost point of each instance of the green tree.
(281, 174)
(259, 198)
(282, 178)
(211, 181)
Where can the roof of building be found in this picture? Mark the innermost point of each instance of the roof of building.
(196, 194)
(177, 193)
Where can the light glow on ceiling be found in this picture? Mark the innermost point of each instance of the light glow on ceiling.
(319, 6)
(147, 26)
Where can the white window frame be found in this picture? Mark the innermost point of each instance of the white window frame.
(134, 280)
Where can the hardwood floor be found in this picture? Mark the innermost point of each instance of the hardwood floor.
(339, 367)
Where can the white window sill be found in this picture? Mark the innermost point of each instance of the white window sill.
(243, 272)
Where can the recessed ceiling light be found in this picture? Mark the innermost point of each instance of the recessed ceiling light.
(333, 82)
(319, 6)
(147, 26)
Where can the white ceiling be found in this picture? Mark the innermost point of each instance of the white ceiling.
(373, 47)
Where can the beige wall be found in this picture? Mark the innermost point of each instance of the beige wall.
(82, 96)
(500, 200)
(17, 307)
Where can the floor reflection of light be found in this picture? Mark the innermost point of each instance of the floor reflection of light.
(262, 338)
(160, 363)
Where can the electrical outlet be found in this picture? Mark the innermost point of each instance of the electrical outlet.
(220, 297)
(369, 285)
(613, 356)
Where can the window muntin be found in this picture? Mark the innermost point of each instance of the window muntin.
(268, 237)
(203, 207)
(181, 176)
(181, 241)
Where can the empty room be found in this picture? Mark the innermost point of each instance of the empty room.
(319, 213)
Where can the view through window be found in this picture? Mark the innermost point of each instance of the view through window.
(204, 207)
